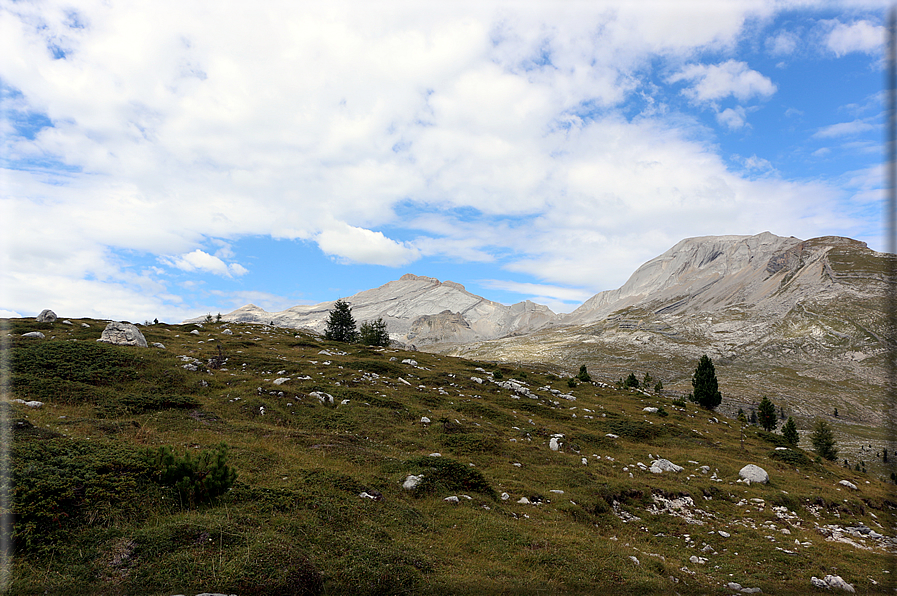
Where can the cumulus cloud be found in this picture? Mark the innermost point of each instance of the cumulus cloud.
(174, 130)
(783, 43)
(860, 36)
(199, 260)
(713, 82)
(364, 246)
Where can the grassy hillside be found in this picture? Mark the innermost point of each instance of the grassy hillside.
(93, 514)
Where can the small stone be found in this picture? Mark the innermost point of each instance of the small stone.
(435, 455)
(848, 484)
(723, 534)
(650, 410)
(85, 325)
(424, 420)
(67, 322)
(523, 501)
(158, 345)
(453, 500)
(227, 332)
(734, 586)
(34, 335)
(612, 436)
(281, 380)
(634, 560)
(505, 496)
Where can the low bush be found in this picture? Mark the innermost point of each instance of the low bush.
(196, 480)
(777, 440)
(445, 475)
(790, 457)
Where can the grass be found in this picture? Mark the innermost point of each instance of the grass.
(294, 523)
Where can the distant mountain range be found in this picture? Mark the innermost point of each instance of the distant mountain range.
(785, 317)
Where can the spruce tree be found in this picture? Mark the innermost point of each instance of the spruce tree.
(373, 333)
(706, 389)
(823, 440)
(583, 374)
(341, 325)
(789, 431)
(766, 414)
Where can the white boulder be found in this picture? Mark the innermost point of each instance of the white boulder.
(123, 334)
(553, 444)
(848, 484)
(34, 335)
(412, 481)
(664, 465)
(46, 316)
(281, 380)
(650, 410)
(752, 473)
(832, 581)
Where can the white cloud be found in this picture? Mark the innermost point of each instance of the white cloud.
(199, 260)
(732, 118)
(364, 246)
(541, 291)
(9, 314)
(783, 43)
(842, 129)
(860, 36)
(184, 127)
(713, 82)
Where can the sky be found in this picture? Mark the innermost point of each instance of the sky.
(169, 159)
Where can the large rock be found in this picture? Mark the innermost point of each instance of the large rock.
(123, 334)
(34, 335)
(752, 473)
(46, 316)
(664, 465)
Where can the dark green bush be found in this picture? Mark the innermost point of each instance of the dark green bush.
(83, 362)
(137, 403)
(379, 367)
(635, 429)
(57, 482)
(497, 375)
(777, 440)
(793, 458)
(445, 475)
(196, 480)
(583, 374)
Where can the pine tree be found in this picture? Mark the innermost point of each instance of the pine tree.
(631, 381)
(823, 440)
(789, 431)
(753, 416)
(766, 414)
(583, 374)
(373, 333)
(341, 325)
(706, 389)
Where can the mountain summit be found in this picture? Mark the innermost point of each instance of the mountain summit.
(418, 310)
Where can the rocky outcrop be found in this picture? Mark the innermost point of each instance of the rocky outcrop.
(46, 316)
(417, 310)
(123, 334)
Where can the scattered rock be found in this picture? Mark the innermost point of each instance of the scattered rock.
(410, 361)
(664, 465)
(452, 499)
(505, 496)
(227, 332)
(523, 501)
(67, 322)
(723, 534)
(325, 398)
(424, 420)
(85, 325)
(697, 560)
(634, 560)
(435, 455)
(30, 404)
(281, 380)
(412, 481)
(553, 444)
(123, 334)
(612, 436)
(650, 410)
(848, 484)
(752, 473)
(734, 586)
(158, 345)
(34, 335)
(832, 581)
(194, 332)
(46, 316)
(372, 494)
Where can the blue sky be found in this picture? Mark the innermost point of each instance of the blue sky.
(172, 159)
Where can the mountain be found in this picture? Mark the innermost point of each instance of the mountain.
(418, 311)
(803, 322)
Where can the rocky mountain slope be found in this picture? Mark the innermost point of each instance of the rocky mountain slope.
(377, 471)
(803, 322)
(418, 311)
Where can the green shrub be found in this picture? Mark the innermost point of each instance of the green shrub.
(777, 440)
(139, 403)
(571, 382)
(794, 458)
(444, 475)
(196, 481)
(57, 482)
(630, 382)
(679, 403)
(378, 367)
(583, 374)
(497, 375)
(638, 430)
(662, 413)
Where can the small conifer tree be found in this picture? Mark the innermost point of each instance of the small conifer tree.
(631, 381)
(583, 374)
(823, 440)
(706, 388)
(789, 431)
(341, 324)
(766, 414)
(373, 333)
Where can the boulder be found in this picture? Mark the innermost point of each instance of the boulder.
(123, 334)
(46, 316)
(752, 473)
(227, 332)
(664, 465)
(832, 581)
(412, 481)
(67, 322)
(34, 335)
(848, 484)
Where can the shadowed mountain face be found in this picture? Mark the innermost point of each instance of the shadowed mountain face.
(417, 310)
